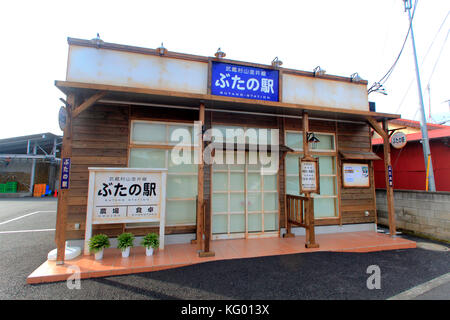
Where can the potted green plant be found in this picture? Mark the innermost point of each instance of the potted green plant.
(125, 242)
(150, 242)
(97, 244)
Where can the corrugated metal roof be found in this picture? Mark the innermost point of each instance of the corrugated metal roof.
(19, 145)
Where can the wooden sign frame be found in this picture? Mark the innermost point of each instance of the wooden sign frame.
(347, 185)
(158, 202)
(315, 162)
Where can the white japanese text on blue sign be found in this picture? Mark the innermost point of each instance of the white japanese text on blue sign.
(65, 172)
(244, 82)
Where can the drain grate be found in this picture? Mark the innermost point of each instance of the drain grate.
(431, 246)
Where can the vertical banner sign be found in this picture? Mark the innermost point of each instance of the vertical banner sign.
(244, 81)
(390, 175)
(65, 172)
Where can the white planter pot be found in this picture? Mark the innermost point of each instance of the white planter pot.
(149, 251)
(99, 255)
(126, 252)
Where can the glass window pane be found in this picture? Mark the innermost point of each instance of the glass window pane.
(253, 181)
(254, 201)
(220, 202)
(238, 161)
(237, 202)
(252, 160)
(147, 158)
(179, 186)
(292, 163)
(324, 207)
(255, 222)
(264, 136)
(292, 186)
(237, 223)
(326, 165)
(326, 142)
(182, 160)
(181, 134)
(220, 181)
(181, 212)
(270, 222)
(270, 201)
(219, 223)
(148, 132)
(237, 181)
(326, 186)
(294, 140)
(252, 135)
(270, 182)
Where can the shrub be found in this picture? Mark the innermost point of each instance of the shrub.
(125, 240)
(150, 240)
(98, 242)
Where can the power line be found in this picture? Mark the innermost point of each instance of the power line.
(377, 85)
(423, 61)
(437, 60)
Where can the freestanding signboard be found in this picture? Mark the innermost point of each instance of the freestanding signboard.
(126, 195)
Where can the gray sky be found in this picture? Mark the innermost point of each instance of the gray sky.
(342, 37)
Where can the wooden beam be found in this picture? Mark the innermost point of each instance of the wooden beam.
(389, 189)
(309, 203)
(87, 103)
(62, 206)
(207, 210)
(374, 124)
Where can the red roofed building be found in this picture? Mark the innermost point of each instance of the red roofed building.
(408, 166)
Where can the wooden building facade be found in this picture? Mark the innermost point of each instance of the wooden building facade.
(124, 104)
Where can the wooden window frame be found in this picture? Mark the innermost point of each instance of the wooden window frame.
(336, 176)
(167, 146)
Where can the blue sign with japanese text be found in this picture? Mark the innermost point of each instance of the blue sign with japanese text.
(65, 171)
(244, 81)
(390, 175)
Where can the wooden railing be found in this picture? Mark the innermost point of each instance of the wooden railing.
(295, 209)
(300, 212)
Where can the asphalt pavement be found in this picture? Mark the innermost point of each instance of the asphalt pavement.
(306, 276)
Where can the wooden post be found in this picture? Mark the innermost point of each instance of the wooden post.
(206, 209)
(309, 207)
(62, 207)
(288, 209)
(389, 188)
(200, 197)
(207, 231)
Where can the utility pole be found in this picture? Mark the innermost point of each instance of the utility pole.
(423, 122)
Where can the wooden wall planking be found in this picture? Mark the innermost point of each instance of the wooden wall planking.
(100, 139)
(349, 136)
(356, 201)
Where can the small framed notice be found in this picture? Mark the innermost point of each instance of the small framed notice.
(309, 175)
(355, 175)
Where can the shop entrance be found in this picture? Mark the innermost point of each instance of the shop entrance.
(244, 200)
